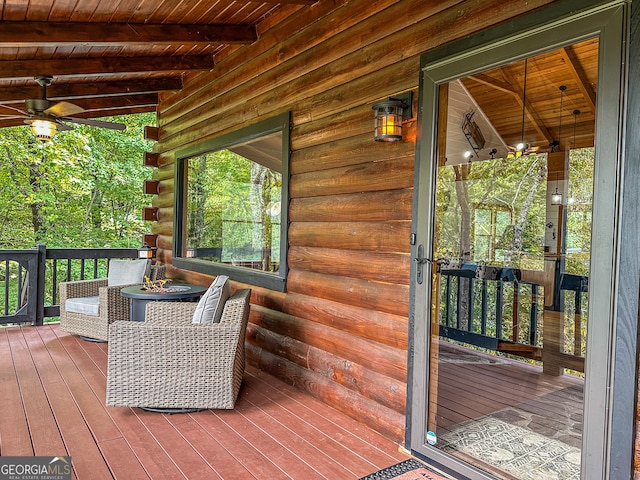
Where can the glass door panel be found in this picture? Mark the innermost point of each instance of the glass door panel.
(511, 239)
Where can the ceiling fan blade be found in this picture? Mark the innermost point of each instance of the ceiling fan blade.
(63, 109)
(63, 127)
(95, 123)
(10, 107)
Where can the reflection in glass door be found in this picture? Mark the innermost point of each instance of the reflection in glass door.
(512, 236)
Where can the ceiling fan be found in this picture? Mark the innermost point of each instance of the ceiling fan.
(46, 116)
(521, 149)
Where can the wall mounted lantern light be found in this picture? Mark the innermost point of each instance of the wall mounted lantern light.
(473, 135)
(43, 129)
(389, 115)
(146, 252)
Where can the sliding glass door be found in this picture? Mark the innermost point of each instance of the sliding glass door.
(515, 246)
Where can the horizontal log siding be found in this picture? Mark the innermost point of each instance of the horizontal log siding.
(341, 330)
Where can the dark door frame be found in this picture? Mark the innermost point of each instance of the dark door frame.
(614, 407)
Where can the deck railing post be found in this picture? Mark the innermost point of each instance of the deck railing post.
(40, 275)
(499, 288)
(533, 319)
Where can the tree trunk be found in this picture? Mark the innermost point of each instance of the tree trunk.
(518, 230)
(462, 192)
(36, 206)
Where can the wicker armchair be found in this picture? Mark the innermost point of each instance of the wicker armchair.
(168, 362)
(113, 306)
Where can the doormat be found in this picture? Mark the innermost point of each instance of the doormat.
(521, 452)
(407, 470)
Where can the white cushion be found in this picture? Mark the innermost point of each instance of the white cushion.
(127, 272)
(210, 306)
(84, 305)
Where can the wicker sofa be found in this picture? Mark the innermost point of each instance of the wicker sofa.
(112, 305)
(167, 362)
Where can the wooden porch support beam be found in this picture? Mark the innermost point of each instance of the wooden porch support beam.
(99, 66)
(553, 331)
(52, 34)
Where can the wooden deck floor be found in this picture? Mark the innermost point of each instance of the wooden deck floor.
(52, 390)
(474, 385)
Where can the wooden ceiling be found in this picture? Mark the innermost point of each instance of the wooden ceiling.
(116, 56)
(537, 109)
(113, 57)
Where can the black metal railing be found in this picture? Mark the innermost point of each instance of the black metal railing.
(476, 305)
(29, 278)
(493, 308)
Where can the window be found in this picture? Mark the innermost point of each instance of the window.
(231, 213)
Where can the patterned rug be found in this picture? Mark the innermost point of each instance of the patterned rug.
(514, 450)
(407, 470)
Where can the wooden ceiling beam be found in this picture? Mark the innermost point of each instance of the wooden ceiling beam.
(52, 34)
(98, 103)
(511, 87)
(71, 91)
(15, 69)
(577, 72)
(492, 82)
(109, 112)
(117, 102)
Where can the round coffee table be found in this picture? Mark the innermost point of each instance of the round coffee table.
(173, 293)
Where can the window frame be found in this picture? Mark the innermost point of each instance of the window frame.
(273, 281)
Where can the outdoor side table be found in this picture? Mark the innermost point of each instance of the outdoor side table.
(177, 293)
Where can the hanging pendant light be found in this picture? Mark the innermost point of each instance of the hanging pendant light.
(556, 143)
(522, 148)
(576, 112)
(556, 197)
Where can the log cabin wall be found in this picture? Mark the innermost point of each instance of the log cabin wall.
(341, 329)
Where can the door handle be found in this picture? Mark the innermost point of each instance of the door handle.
(420, 261)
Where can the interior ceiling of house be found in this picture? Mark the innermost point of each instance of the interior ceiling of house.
(115, 57)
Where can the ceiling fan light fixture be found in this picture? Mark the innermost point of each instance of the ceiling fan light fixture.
(43, 129)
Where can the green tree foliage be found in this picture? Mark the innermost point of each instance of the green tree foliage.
(516, 188)
(579, 208)
(232, 208)
(82, 189)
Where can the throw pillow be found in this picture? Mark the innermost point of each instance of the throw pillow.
(210, 306)
(127, 272)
